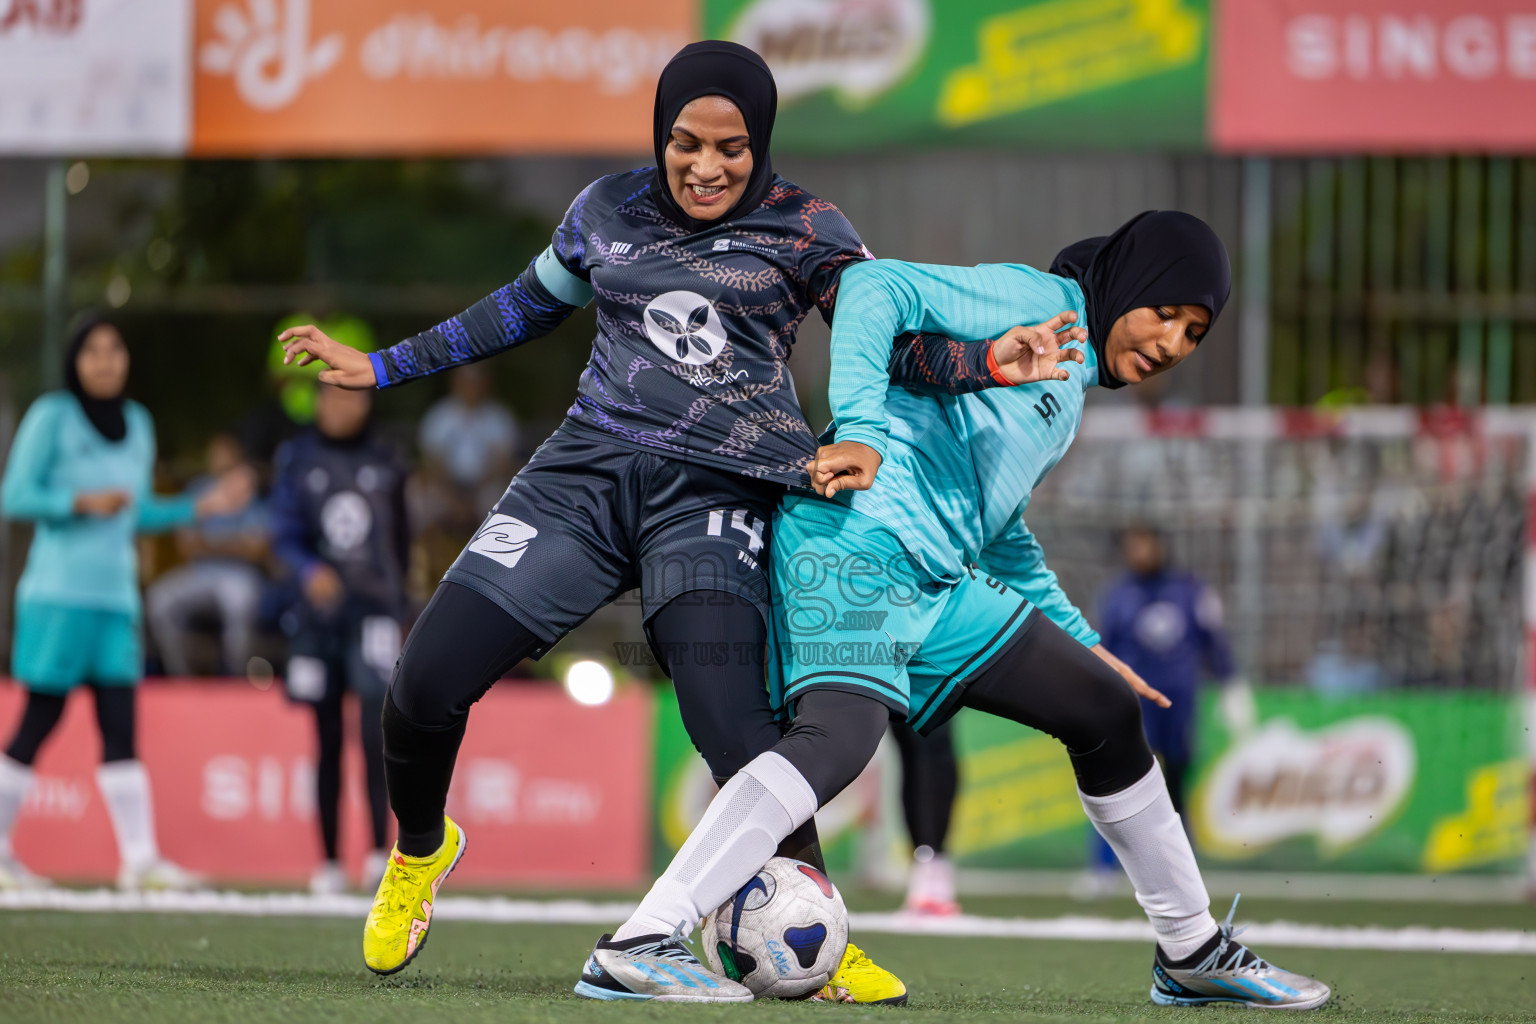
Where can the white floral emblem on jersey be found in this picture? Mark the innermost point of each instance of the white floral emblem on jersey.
(685, 327)
(345, 519)
(502, 538)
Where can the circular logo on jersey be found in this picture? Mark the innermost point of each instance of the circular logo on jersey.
(685, 327)
(345, 519)
(1160, 626)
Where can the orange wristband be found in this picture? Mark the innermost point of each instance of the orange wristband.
(996, 371)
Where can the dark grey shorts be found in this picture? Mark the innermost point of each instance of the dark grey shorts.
(587, 520)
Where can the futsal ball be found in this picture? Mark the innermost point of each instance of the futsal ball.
(783, 934)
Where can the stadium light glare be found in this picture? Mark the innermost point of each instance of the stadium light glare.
(589, 683)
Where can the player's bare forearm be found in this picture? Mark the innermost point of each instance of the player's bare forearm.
(1130, 675)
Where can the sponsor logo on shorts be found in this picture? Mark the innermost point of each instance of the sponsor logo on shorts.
(503, 539)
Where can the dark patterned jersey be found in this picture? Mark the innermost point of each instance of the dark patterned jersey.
(693, 330)
(342, 504)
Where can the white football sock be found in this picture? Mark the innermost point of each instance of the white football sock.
(742, 827)
(1144, 830)
(125, 789)
(15, 781)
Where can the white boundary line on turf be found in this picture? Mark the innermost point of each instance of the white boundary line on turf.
(1414, 938)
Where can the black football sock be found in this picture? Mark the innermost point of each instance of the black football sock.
(418, 767)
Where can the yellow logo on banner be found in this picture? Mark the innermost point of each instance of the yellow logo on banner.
(1492, 828)
(1012, 792)
(1063, 48)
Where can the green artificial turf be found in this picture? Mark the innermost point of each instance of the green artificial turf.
(143, 967)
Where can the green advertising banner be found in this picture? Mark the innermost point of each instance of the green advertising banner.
(1428, 782)
(1392, 782)
(1104, 74)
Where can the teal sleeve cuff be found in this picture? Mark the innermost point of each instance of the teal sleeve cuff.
(562, 284)
(156, 514)
(874, 440)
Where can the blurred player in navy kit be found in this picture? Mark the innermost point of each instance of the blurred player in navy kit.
(1166, 623)
(339, 527)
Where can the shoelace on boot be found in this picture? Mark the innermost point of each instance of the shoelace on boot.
(1241, 958)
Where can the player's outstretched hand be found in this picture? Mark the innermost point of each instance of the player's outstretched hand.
(1028, 355)
(348, 368)
(1129, 675)
(844, 466)
(229, 494)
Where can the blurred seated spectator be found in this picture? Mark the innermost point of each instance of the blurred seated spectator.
(470, 439)
(468, 446)
(223, 576)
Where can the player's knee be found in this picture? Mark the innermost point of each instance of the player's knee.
(417, 693)
(833, 737)
(1104, 710)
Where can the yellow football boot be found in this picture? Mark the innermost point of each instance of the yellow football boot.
(402, 911)
(860, 980)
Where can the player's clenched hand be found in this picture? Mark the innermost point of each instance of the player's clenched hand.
(1129, 675)
(323, 587)
(349, 368)
(1028, 355)
(844, 466)
(100, 503)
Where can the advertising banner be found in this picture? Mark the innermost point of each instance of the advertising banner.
(1390, 75)
(554, 793)
(1429, 782)
(403, 76)
(1103, 74)
(104, 76)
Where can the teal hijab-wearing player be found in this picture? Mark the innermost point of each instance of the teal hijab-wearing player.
(912, 586)
(81, 471)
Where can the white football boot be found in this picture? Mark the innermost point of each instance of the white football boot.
(159, 875)
(14, 875)
(329, 880)
(931, 885)
(374, 866)
(659, 967)
(1226, 971)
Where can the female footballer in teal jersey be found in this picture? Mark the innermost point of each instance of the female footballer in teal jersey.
(81, 471)
(937, 549)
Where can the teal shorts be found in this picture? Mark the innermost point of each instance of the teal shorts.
(852, 611)
(56, 648)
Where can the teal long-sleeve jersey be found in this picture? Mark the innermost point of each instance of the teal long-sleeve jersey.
(958, 470)
(81, 561)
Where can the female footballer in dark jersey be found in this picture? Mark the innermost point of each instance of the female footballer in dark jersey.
(664, 474)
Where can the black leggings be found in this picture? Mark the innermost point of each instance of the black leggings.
(328, 725)
(115, 717)
(464, 642)
(1046, 680)
(930, 778)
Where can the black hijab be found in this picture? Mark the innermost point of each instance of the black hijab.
(1157, 258)
(717, 68)
(105, 414)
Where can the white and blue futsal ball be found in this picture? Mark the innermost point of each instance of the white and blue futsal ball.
(783, 934)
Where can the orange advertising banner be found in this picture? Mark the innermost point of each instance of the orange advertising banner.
(552, 792)
(346, 77)
(1384, 75)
